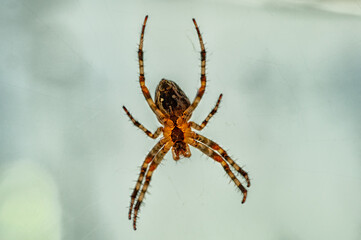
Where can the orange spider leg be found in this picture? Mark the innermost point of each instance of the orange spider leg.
(151, 155)
(144, 129)
(144, 88)
(187, 113)
(204, 123)
(157, 159)
(223, 153)
(212, 154)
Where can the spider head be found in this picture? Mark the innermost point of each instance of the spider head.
(180, 149)
(170, 98)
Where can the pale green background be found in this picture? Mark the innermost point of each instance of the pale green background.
(290, 74)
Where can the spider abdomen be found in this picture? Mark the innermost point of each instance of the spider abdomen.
(171, 99)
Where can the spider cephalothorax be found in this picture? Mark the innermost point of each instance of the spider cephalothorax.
(173, 110)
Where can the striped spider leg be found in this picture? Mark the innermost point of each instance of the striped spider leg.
(144, 88)
(188, 112)
(174, 110)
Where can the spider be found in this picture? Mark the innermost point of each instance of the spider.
(174, 110)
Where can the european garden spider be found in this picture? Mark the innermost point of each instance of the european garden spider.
(174, 110)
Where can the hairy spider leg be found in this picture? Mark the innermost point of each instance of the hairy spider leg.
(187, 113)
(144, 129)
(157, 159)
(151, 155)
(144, 88)
(204, 123)
(208, 142)
(212, 154)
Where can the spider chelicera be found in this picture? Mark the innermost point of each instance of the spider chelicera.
(174, 110)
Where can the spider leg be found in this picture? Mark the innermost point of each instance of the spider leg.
(187, 113)
(204, 123)
(151, 155)
(144, 88)
(211, 153)
(157, 159)
(223, 153)
(144, 129)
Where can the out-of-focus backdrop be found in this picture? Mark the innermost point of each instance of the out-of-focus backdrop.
(69, 156)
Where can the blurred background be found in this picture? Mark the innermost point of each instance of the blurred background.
(290, 115)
